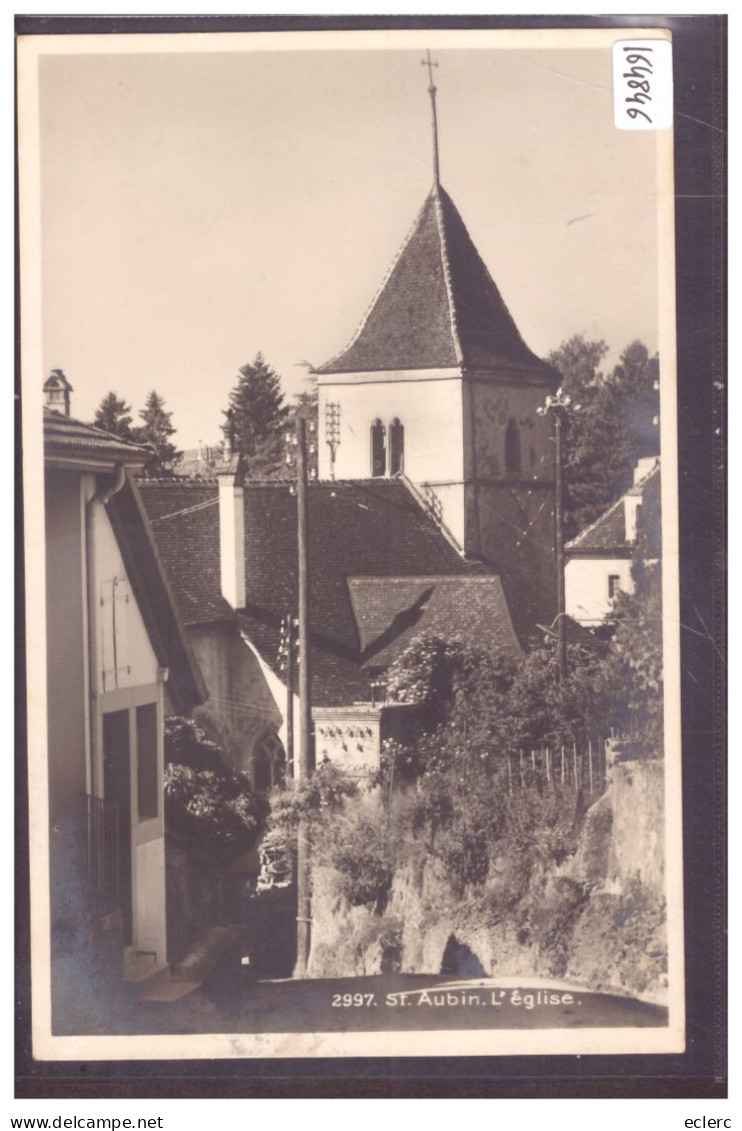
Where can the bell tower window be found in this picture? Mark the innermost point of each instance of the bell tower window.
(396, 447)
(378, 449)
(512, 448)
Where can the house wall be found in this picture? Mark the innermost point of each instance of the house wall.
(349, 737)
(241, 704)
(586, 586)
(76, 718)
(66, 633)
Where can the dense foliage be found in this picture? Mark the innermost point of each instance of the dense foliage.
(208, 805)
(616, 424)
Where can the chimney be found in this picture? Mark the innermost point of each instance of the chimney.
(57, 391)
(631, 506)
(232, 530)
(644, 466)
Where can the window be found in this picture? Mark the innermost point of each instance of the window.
(396, 447)
(147, 777)
(512, 448)
(268, 763)
(614, 584)
(114, 626)
(378, 449)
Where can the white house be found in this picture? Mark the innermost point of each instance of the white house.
(598, 560)
(117, 661)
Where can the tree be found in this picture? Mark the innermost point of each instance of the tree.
(114, 415)
(156, 430)
(613, 428)
(636, 380)
(257, 417)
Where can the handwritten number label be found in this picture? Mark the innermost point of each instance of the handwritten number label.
(642, 84)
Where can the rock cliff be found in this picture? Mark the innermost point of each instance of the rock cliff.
(597, 919)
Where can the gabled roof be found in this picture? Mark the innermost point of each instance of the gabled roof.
(438, 307)
(608, 533)
(155, 598)
(184, 516)
(373, 531)
(391, 612)
(67, 438)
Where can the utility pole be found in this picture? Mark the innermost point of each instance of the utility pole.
(306, 750)
(558, 406)
(559, 504)
(286, 655)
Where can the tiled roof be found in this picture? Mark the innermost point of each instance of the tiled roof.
(155, 598)
(438, 307)
(63, 435)
(608, 533)
(391, 612)
(184, 515)
(365, 529)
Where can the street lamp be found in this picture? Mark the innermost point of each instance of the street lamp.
(558, 406)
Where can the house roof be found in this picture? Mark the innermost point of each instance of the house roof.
(69, 443)
(438, 307)
(364, 535)
(608, 533)
(155, 597)
(184, 515)
(70, 439)
(391, 612)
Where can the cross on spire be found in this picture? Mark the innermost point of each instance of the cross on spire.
(429, 63)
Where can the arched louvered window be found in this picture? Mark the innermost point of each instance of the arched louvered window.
(396, 447)
(512, 448)
(378, 448)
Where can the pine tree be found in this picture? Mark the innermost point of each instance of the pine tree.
(114, 415)
(156, 430)
(257, 416)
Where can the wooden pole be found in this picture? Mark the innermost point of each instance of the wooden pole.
(561, 615)
(522, 781)
(548, 767)
(510, 777)
(562, 749)
(574, 764)
(590, 763)
(290, 627)
(306, 753)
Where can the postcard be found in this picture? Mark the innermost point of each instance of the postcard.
(350, 472)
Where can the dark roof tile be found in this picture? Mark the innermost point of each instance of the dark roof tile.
(438, 307)
(366, 529)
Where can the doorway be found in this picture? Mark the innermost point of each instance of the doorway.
(117, 795)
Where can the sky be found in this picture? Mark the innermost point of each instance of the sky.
(199, 207)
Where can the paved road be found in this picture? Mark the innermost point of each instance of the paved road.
(390, 1002)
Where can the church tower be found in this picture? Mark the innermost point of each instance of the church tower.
(438, 385)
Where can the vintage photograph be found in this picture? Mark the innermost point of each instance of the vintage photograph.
(350, 473)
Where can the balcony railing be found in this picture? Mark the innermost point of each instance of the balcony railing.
(103, 848)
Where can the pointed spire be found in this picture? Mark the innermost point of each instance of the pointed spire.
(432, 90)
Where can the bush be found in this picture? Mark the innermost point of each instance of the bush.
(207, 803)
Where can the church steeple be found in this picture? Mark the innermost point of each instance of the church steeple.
(432, 91)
